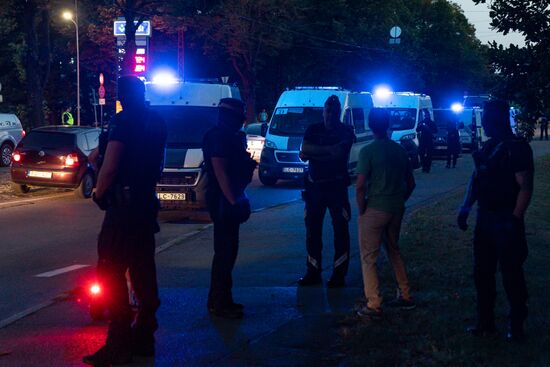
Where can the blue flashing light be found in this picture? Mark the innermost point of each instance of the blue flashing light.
(165, 79)
(382, 91)
(457, 107)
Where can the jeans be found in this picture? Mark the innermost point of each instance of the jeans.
(126, 244)
(499, 239)
(375, 227)
(318, 198)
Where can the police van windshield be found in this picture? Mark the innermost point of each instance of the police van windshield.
(187, 124)
(293, 121)
(402, 118)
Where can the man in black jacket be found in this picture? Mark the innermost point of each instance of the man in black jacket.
(426, 129)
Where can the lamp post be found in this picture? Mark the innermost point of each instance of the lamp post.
(67, 15)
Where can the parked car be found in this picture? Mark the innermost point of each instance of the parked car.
(255, 138)
(56, 156)
(11, 132)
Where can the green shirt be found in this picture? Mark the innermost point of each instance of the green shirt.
(386, 165)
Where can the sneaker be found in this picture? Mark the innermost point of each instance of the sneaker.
(310, 279)
(402, 303)
(366, 311)
(336, 282)
(106, 356)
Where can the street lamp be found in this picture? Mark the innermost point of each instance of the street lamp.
(67, 15)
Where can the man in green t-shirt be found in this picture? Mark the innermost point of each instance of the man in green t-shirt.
(384, 182)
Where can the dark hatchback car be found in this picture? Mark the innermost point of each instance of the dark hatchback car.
(56, 156)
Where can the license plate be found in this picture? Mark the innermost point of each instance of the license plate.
(171, 196)
(293, 169)
(40, 174)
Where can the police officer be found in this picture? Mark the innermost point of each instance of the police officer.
(502, 184)
(426, 129)
(327, 146)
(229, 169)
(67, 117)
(453, 144)
(126, 191)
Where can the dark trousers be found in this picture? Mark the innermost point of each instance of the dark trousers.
(425, 152)
(452, 155)
(226, 247)
(500, 240)
(318, 199)
(544, 131)
(128, 245)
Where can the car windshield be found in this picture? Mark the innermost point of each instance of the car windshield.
(187, 125)
(293, 121)
(48, 140)
(402, 118)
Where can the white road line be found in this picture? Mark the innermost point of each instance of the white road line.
(66, 269)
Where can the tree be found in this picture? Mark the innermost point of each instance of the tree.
(523, 73)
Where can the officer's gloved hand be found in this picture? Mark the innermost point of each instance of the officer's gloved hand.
(101, 202)
(462, 218)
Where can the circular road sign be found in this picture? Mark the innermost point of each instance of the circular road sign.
(101, 78)
(395, 32)
(101, 92)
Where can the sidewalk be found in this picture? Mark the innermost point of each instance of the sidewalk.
(283, 325)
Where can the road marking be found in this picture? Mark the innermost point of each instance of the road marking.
(66, 269)
(15, 203)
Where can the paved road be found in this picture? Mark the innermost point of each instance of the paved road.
(270, 260)
(44, 236)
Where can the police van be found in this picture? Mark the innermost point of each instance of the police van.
(189, 110)
(406, 111)
(295, 111)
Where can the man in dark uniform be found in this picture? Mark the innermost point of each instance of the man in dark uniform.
(426, 129)
(327, 146)
(502, 184)
(126, 191)
(230, 169)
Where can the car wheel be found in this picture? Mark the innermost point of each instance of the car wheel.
(5, 151)
(21, 189)
(86, 187)
(267, 180)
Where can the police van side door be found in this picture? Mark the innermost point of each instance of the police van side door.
(360, 105)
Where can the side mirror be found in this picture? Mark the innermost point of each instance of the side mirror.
(263, 131)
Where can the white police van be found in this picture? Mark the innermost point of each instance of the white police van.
(295, 111)
(189, 110)
(406, 111)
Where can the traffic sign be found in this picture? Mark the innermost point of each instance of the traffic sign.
(102, 101)
(395, 32)
(144, 28)
(101, 92)
(101, 79)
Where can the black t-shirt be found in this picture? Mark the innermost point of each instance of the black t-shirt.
(426, 128)
(220, 142)
(496, 167)
(332, 170)
(143, 134)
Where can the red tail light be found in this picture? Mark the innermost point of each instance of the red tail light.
(23, 134)
(95, 290)
(16, 156)
(71, 160)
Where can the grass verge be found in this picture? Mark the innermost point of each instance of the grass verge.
(439, 261)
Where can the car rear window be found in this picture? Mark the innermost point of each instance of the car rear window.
(48, 140)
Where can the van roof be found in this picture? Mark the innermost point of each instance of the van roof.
(189, 94)
(402, 99)
(310, 97)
